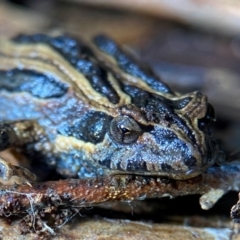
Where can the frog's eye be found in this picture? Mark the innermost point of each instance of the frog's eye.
(124, 130)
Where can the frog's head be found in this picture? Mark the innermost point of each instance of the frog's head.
(159, 135)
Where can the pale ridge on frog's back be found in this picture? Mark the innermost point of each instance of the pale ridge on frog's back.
(100, 112)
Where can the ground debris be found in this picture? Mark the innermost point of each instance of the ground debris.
(45, 221)
(47, 206)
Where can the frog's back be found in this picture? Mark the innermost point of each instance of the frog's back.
(57, 80)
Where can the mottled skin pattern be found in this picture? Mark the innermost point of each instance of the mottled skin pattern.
(87, 110)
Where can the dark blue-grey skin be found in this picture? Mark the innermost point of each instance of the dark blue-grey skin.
(87, 110)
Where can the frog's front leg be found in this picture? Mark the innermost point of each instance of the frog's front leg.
(11, 174)
(18, 134)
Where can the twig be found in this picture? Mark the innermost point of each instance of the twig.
(78, 192)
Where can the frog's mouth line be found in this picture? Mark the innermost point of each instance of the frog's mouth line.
(174, 175)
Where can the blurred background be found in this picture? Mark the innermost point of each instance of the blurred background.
(191, 44)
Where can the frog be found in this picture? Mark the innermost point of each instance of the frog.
(88, 108)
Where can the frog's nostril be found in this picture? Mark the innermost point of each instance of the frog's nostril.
(210, 115)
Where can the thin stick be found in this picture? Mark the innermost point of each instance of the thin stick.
(78, 192)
